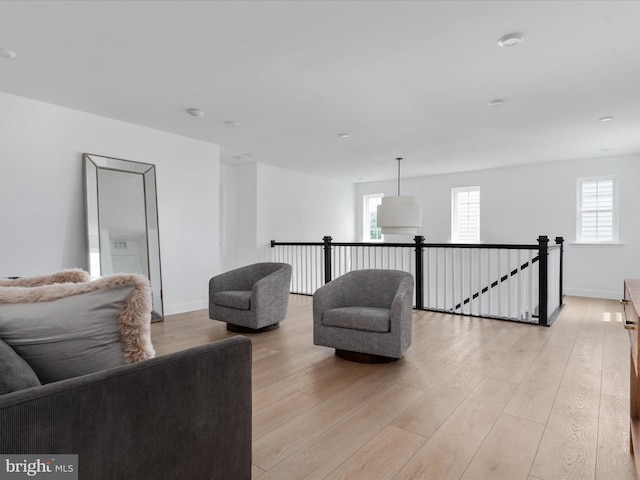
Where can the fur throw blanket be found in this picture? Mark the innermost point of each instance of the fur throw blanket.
(73, 275)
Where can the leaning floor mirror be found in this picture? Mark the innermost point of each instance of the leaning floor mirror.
(122, 221)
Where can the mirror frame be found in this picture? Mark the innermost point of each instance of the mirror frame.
(92, 165)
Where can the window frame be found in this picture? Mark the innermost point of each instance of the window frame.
(455, 234)
(366, 217)
(614, 211)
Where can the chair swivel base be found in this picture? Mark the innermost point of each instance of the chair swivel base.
(363, 357)
(239, 329)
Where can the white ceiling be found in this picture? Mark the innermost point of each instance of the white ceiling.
(410, 79)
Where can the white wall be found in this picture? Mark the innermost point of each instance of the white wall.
(518, 204)
(42, 196)
(273, 203)
(240, 186)
(228, 216)
(42, 203)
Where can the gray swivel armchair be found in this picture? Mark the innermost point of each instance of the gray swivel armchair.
(251, 299)
(365, 315)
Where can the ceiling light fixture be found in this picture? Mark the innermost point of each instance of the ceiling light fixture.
(399, 215)
(605, 119)
(510, 39)
(5, 52)
(231, 124)
(344, 135)
(498, 102)
(195, 112)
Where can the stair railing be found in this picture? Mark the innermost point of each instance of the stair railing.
(504, 281)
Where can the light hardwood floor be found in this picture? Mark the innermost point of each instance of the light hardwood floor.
(472, 398)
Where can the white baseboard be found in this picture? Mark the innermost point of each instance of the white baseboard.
(175, 308)
(577, 292)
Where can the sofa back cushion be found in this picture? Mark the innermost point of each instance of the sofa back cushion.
(67, 330)
(15, 373)
(78, 335)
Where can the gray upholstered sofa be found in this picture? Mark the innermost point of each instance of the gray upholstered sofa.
(251, 299)
(186, 415)
(77, 377)
(365, 315)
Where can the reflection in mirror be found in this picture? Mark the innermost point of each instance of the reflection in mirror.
(122, 221)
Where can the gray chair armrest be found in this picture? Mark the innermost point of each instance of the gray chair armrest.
(183, 415)
(275, 284)
(402, 306)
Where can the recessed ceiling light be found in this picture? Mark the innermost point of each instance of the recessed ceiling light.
(605, 119)
(195, 112)
(231, 124)
(498, 102)
(5, 52)
(510, 39)
(344, 135)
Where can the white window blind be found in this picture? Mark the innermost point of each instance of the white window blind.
(370, 229)
(465, 218)
(597, 216)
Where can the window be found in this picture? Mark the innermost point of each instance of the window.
(370, 229)
(465, 214)
(597, 218)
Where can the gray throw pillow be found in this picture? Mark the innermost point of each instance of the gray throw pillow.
(67, 337)
(15, 373)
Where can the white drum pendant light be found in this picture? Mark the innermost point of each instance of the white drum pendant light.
(399, 215)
